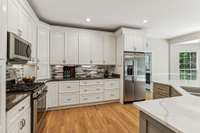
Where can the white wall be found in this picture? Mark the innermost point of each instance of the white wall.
(160, 58)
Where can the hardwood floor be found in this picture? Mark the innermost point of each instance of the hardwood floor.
(108, 118)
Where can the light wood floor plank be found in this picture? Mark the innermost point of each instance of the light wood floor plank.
(108, 118)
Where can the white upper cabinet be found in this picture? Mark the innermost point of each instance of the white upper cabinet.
(32, 38)
(57, 47)
(71, 47)
(84, 48)
(43, 45)
(134, 41)
(13, 16)
(96, 48)
(109, 49)
(23, 24)
(43, 52)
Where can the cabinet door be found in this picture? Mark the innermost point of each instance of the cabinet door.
(43, 45)
(139, 41)
(97, 48)
(52, 94)
(84, 48)
(109, 49)
(25, 119)
(129, 43)
(71, 47)
(23, 23)
(43, 53)
(32, 38)
(13, 16)
(57, 49)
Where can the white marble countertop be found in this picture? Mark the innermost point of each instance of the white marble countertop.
(181, 114)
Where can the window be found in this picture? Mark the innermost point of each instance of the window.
(188, 65)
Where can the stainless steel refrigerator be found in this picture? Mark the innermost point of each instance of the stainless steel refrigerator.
(134, 76)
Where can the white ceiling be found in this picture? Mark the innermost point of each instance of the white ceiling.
(167, 18)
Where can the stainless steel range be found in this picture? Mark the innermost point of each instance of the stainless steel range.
(38, 102)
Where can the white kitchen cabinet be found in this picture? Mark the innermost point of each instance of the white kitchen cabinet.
(71, 47)
(19, 118)
(109, 49)
(134, 41)
(90, 47)
(84, 48)
(68, 93)
(2, 95)
(43, 52)
(57, 47)
(23, 23)
(52, 94)
(13, 16)
(18, 19)
(96, 45)
(112, 87)
(32, 38)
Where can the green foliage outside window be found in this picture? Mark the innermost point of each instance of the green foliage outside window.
(188, 65)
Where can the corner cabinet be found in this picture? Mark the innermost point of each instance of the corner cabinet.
(43, 52)
(2, 96)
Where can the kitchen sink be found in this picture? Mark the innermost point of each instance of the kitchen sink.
(192, 90)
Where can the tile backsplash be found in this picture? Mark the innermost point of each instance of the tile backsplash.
(83, 71)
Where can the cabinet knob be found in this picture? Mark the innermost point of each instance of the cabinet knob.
(91, 61)
(68, 86)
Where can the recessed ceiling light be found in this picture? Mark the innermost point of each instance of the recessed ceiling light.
(145, 21)
(88, 20)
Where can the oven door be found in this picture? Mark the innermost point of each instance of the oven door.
(39, 106)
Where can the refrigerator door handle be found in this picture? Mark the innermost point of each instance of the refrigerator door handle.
(133, 79)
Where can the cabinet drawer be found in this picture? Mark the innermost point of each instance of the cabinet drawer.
(87, 98)
(111, 94)
(68, 99)
(91, 89)
(162, 88)
(18, 109)
(112, 84)
(66, 86)
(91, 82)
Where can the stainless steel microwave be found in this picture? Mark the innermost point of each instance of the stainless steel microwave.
(18, 49)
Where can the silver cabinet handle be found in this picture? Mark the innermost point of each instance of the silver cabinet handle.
(68, 86)
(97, 97)
(85, 90)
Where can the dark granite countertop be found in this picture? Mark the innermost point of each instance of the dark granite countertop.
(13, 99)
(87, 78)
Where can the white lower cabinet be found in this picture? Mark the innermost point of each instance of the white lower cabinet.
(52, 94)
(68, 98)
(63, 93)
(88, 98)
(19, 118)
(111, 89)
(68, 93)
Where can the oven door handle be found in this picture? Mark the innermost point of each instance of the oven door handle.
(41, 95)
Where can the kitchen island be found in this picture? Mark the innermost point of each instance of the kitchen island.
(180, 114)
